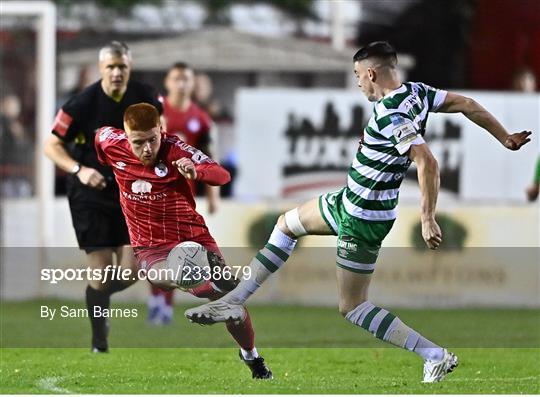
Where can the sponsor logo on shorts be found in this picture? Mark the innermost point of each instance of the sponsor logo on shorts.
(120, 165)
(349, 246)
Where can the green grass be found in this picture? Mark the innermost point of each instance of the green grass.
(310, 350)
(299, 370)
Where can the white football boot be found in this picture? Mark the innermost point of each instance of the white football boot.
(435, 371)
(217, 311)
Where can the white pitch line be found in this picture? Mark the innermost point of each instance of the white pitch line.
(451, 379)
(49, 384)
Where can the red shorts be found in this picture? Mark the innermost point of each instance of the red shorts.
(147, 257)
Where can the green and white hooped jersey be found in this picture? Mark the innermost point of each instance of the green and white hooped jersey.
(398, 121)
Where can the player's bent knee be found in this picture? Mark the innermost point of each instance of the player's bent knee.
(282, 226)
(293, 224)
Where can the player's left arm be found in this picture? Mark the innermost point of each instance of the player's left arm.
(429, 180)
(195, 165)
(211, 173)
(455, 103)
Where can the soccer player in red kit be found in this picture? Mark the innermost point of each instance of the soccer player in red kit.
(184, 118)
(152, 170)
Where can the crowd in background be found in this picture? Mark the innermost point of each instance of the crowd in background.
(18, 71)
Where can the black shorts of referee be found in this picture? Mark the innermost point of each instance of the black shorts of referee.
(96, 215)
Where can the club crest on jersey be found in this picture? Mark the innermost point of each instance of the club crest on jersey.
(120, 165)
(161, 170)
(397, 119)
(140, 187)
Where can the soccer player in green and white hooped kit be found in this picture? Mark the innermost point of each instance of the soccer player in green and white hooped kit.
(363, 212)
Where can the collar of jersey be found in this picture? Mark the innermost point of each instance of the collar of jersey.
(401, 88)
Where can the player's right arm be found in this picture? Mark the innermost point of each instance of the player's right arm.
(62, 131)
(428, 178)
(455, 103)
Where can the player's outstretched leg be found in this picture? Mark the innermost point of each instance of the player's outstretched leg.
(382, 324)
(266, 262)
(298, 222)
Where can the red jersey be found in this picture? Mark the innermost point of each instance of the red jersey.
(156, 200)
(192, 126)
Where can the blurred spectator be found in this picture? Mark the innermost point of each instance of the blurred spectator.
(16, 155)
(203, 96)
(202, 92)
(186, 119)
(83, 81)
(524, 80)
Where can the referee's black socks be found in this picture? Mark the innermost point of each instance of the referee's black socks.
(96, 302)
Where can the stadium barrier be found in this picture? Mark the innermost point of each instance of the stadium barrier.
(497, 267)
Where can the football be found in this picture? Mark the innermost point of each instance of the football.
(189, 264)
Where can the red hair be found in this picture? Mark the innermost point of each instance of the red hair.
(141, 117)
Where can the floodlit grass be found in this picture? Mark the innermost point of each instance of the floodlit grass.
(310, 350)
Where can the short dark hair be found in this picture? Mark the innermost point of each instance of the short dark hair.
(141, 117)
(382, 50)
(180, 65)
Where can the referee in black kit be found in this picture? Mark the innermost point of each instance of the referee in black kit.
(91, 189)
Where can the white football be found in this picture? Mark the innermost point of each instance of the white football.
(189, 264)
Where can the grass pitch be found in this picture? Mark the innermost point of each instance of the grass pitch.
(310, 351)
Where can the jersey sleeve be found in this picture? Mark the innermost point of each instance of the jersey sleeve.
(100, 142)
(181, 149)
(400, 129)
(435, 97)
(66, 123)
(208, 171)
(212, 174)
